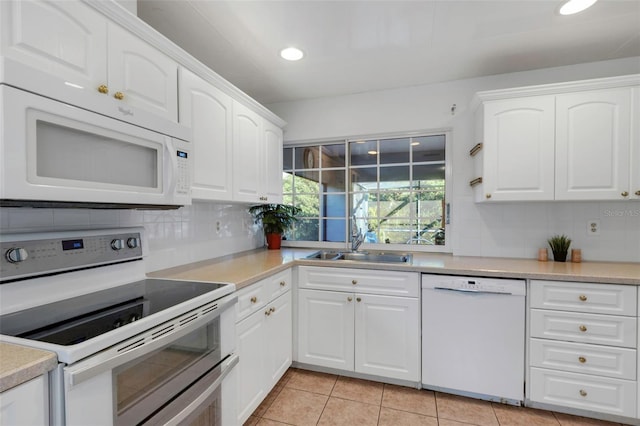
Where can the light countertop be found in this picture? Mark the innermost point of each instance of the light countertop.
(19, 364)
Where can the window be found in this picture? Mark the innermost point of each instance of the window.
(390, 189)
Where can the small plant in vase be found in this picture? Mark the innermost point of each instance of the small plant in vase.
(560, 247)
(275, 220)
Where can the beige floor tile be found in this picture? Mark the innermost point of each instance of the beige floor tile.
(312, 381)
(358, 390)
(342, 412)
(252, 421)
(521, 416)
(409, 399)
(267, 401)
(447, 422)
(568, 420)
(465, 410)
(267, 422)
(296, 407)
(390, 417)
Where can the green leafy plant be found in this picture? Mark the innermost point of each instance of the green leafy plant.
(559, 246)
(275, 218)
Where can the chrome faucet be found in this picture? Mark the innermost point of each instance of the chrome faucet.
(357, 237)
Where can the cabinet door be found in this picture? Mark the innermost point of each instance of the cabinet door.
(326, 328)
(207, 111)
(519, 149)
(247, 151)
(67, 40)
(25, 404)
(272, 162)
(593, 132)
(251, 345)
(387, 336)
(279, 338)
(635, 147)
(146, 77)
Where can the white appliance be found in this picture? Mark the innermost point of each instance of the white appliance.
(473, 336)
(56, 154)
(131, 350)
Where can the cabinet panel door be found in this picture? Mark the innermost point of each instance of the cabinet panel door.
(208, 112)
(326, 328)
(251, 345)
(147, 77)
(519, 149)
(593, 132)
(247, 152)
(65, 39)
(280, 339)
(26, 404)
(635, 147)
(273, 162)
(387, 339)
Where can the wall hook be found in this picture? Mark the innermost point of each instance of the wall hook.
(453, 109)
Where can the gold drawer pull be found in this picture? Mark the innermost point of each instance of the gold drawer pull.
(349, 299)
(582, 359)
(272, 309)
(354, 282)
(358, 299)
(103, 89)
(583, 392)
(267, 312)
(119, 96)
(488, 196)
(625, 194)
(583, 298)
(282, 283)
(638, 192)
(254, 299)
(583, 328)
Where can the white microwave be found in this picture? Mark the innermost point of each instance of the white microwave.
(58, 155)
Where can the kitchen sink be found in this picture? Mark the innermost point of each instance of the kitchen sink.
(361, 256)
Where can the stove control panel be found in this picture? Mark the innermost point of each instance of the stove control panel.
(30, 255)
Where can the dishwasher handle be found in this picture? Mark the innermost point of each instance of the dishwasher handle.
(472, 291)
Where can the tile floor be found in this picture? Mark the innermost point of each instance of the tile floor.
(309, 398)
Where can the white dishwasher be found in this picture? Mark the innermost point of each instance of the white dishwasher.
(473, 336)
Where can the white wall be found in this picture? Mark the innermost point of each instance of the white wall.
(515, 230)
(175, 237)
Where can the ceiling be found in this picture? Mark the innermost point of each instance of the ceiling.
(360, 46)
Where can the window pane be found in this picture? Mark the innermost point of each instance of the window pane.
(307, 182)
(304, 230)
(287, 182)
(364, 204)
(287, 199)
(333, 181)
(363, 152)
(333, 156)
(287, 158)
(334, 205)
(428, 176)
(396, 231)
(428, 148)
(394, 151)
(364, 179)
(396, 204)
(309, 204)
(307, 157)
(334, 230)
(394, 178)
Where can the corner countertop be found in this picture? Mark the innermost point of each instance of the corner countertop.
(245, 268)
(19, 364)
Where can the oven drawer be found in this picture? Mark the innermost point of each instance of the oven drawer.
(598, 360)
(587, 328)
(584, 297)
(604, 395)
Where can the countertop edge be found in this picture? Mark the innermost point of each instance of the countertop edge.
(20, 364)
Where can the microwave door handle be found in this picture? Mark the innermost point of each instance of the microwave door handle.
(171, 178)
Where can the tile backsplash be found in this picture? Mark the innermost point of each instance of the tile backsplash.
(174, 237)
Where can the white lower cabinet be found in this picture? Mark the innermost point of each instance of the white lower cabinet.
(350, 330)
(263, 339)
(25, 404)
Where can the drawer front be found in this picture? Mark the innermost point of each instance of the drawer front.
(584, 297)
(250, 299)
(586, 328)
(606, 361)
(585, 392)
(278, 284)
(390, 283)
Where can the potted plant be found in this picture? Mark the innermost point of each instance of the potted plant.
(275, 219)
(560, 247)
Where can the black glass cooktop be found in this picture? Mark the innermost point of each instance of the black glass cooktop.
(81, 318)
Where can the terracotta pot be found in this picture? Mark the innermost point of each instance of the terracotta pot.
(274, 241)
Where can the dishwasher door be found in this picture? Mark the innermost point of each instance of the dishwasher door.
(473, 337)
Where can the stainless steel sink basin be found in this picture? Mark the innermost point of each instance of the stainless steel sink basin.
(361, 256)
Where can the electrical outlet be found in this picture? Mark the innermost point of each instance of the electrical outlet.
(593, 227)
(218, 226)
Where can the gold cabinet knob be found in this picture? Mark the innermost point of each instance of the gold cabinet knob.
(254, 299)
(583, 392)
(119, 96)
(624, 194)
(349, 299)
(282, 283)
(103, 89)
(582, 359)
(583, 328)
(487, 196)
(638, 192)
(267, 312)
(272, 309)
(358, 299)
(583, 298)
(354, 282)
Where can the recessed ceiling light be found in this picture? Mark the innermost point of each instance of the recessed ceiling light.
(291, 54)
(576, 6)
(372, 152)
(415, 143)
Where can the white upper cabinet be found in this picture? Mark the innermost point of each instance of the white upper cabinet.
(519, 149)
(593, 136)
(272, 162)
(635, 146)
(208, 112)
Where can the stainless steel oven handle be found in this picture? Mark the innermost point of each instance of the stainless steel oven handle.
(470, 290)
(197, 403)
(99, 363)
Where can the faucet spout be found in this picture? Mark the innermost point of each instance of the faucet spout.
(357, 237)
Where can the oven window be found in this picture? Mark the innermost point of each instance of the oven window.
(148, 383)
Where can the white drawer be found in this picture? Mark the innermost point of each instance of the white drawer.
(606, 361)
(585, 392)
(584, 297)
(278, 284)
(389, 283)
(250, 299)
(587, 328)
